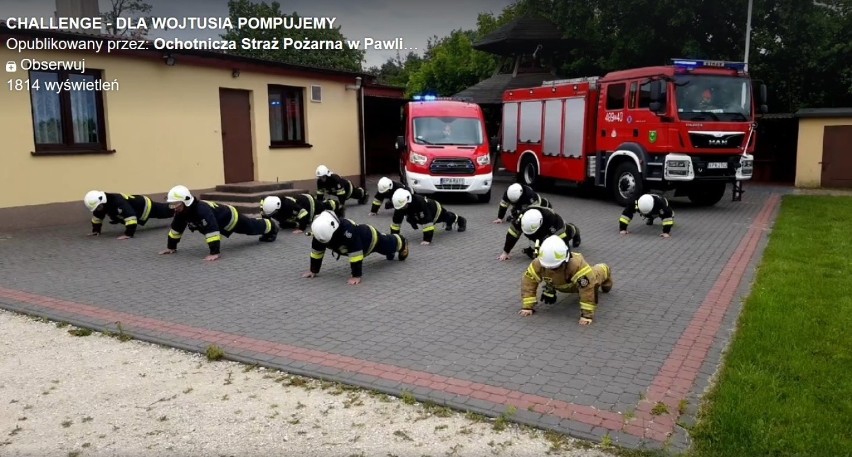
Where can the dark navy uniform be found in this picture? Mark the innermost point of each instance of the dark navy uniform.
(382, 196)
(299, 210)
(426, 212)
(357, 241)
(132, 210)
(214, 220)
(551, 224)
(339, 188)
(528, 198)
(661, 209)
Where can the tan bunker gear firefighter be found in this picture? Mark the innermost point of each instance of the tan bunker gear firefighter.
(572, 276)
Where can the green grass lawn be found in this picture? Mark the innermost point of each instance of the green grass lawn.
(786, 385)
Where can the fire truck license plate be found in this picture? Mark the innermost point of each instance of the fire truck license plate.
(717, 165)
(452, 181)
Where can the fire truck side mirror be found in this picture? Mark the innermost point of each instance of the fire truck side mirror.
(763, 98)
(495, 144)
(400, 143)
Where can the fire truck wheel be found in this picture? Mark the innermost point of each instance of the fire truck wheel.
(706, 194)
(528, 172)
(627, 183)
(484, 198)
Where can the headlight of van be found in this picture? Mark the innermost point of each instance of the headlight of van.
(483, 160)
(417, 159)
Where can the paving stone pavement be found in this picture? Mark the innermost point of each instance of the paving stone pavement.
(442, 325)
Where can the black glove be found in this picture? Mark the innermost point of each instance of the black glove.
(548, 295)
(529, 251)
(388, 205)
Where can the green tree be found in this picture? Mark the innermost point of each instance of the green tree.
(338, 59)
(396, 71)
(136, 9)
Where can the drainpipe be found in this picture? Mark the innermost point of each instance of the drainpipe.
(361, 140)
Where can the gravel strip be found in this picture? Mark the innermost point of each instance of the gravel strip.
(94, 395)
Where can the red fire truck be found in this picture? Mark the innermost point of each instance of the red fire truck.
(687, 127)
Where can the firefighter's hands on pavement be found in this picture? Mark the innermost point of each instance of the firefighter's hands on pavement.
(211, 257)
(526, 312)
(354, 281)
(94, 234)
(585, 321)
(297, 231)
(425, 243)
(504, 256)
(168, 251)
(123, 237)
(309, 274)
(498, 221)
(665, 235)
(624, 232)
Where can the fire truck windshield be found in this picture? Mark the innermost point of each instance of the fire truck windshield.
(713, 98)
(465, 131)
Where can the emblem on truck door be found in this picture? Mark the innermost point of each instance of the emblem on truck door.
(652, 136)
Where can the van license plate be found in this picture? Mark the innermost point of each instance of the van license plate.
(717, 165)
(452, 181)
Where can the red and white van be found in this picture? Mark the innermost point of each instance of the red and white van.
(445, 148)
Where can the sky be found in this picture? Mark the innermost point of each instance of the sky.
(412, 20)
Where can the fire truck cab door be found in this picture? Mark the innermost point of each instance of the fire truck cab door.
(612, 118)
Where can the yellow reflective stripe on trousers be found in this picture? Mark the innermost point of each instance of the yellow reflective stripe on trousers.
(174, 235)
(234, 218)
(374, 242)
(624, 219)
(147, 211)
(583, 272)
(438, 213)
(317, 254)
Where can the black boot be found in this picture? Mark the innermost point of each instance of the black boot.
(576, 240)
(462, 224)
(364, 197)
(403, 253)
(273, 234)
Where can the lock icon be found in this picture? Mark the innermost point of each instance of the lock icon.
(11, 66)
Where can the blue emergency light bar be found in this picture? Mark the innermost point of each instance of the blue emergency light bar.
(432, 98)
(691, 64)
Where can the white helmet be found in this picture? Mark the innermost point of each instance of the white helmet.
(385, 184)
(93, 199)
(646, 203)
(401, 198)
(531, 221)
(180, 194)
(323, 170)
(324, 226)
(553, 252)
(270, 205)
(514, 192)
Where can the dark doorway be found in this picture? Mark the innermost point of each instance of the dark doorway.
(836, 156)
(382, 124)
(235, 112)
(775, 149)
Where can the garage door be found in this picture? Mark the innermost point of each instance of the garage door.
(837, 156)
